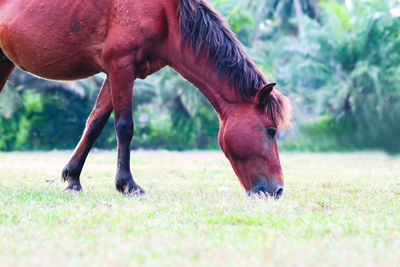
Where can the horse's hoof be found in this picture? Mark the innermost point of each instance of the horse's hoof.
(74, 188)
(138, 192)
(130, 189)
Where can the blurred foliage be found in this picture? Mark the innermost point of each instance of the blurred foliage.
(346, 79)
(338, 61)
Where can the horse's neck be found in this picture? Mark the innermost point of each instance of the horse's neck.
(201, 73)
(199, 70)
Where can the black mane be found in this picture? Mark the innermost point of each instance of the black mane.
(206, 31)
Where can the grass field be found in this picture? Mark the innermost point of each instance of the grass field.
(337, 209)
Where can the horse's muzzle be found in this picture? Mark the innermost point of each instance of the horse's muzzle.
(264, 188)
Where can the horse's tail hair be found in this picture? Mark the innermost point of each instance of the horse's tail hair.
(6, 68)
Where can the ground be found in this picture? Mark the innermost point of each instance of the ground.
(337, 209)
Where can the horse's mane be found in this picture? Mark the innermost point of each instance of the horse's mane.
(206, 31)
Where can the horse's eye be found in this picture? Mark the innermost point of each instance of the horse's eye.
(271, 132)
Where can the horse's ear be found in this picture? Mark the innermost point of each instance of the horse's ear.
(263, 94)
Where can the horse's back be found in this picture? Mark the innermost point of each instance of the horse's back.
(67, 40)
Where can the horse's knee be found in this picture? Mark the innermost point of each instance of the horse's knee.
(124, 128)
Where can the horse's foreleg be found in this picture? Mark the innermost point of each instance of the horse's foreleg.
(122, 77)
(94, 125)
(6, 68)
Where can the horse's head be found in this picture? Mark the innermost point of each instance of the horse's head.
(248, 138)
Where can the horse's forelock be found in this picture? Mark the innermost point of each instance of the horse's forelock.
(278, 108)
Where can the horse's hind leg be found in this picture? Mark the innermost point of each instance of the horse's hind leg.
(6, 68)
(94, 125)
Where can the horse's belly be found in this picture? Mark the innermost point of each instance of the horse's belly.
(55, 40)
(51, 65)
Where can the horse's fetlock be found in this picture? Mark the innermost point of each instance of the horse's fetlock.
(70, 171)
(124, 182)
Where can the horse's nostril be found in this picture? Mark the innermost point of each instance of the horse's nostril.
(279, 193)
(262, 188)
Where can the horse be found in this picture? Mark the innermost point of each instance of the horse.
(131, 39)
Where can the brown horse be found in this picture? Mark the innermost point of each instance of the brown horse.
(129, 39)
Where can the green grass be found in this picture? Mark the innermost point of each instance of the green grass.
(337, 209)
